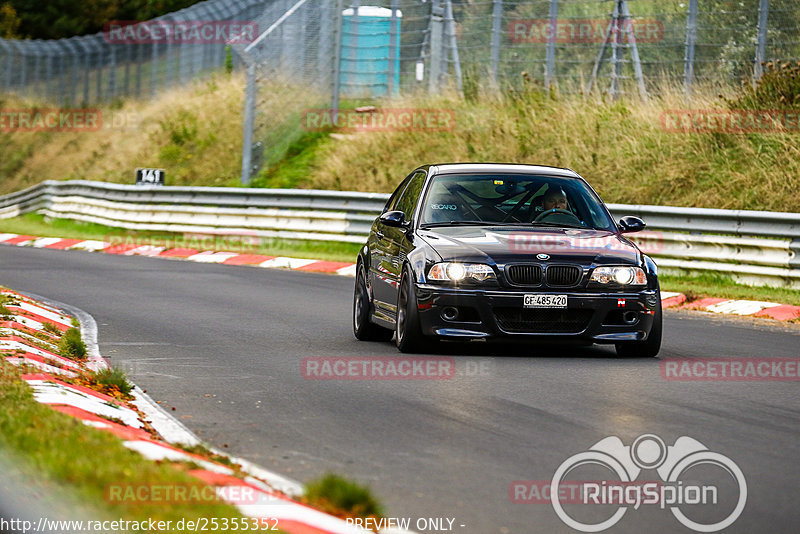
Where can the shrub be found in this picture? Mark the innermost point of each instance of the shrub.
(51, 328)
(113, 377)
(71, 345)
(342, 497)
(778, 88)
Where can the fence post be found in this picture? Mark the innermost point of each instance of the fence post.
(637, 63)
(23, 67)
(325, 44)
(73, 70)
(616, 65)
(249, 120)
(688, 58)
(392, 50)
(139, 49)
(153, 69)
(550, 67)
(112, 74)
(99, 69)
(337, 61)
(83, 57)
(169, 61)
(6, 85)
(761, 43)
(437, 21)
(497, 19)
(355, 29)
(451, 30)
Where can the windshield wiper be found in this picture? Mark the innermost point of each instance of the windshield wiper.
(455, 223)
(558, 225)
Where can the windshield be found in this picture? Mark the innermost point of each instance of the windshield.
(514, 199)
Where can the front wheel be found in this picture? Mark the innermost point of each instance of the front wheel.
(408, 334)
(363, 328)
(651, 346)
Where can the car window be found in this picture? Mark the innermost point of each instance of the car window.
(512, 199)
(407, 202)
(390, 204)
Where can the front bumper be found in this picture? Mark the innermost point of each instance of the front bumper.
(590, 317)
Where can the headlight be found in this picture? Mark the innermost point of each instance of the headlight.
(457, 272)
(624, 276)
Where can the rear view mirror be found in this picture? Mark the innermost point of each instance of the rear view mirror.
(631, 224)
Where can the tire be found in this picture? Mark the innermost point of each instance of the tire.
(408, 335)
(363, 328)
(651, 346)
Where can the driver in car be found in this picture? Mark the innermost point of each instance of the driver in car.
(554, 199)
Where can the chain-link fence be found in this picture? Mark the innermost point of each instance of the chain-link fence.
(318, 54)
(307, 58)
(128, 58)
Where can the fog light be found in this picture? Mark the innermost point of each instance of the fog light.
(450, 313)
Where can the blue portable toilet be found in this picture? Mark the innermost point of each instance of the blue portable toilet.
(366, 51)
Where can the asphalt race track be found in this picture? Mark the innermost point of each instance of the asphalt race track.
(223, 345)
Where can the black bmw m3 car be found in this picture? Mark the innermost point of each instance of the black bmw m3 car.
(469, 251)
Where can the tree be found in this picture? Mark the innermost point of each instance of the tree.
(9, 22)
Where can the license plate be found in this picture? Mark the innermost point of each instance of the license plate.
(545, 301)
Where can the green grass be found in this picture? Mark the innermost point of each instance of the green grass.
(84, 463)
(71, 345)
(113, 377)
(295, 169)
(5, 299)
(718, 285)
(342, 497)
(36, 225)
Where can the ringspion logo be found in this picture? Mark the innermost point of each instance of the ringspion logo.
(673, 464)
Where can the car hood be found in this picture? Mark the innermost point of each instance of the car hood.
(497, 244)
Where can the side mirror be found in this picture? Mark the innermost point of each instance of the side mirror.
(631, 224)
(395, 219)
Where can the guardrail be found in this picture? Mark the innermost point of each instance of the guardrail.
(753, 246)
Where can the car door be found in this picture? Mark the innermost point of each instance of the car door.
(396, 242)
(379, 247)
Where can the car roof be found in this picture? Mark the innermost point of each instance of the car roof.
(451, 168)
